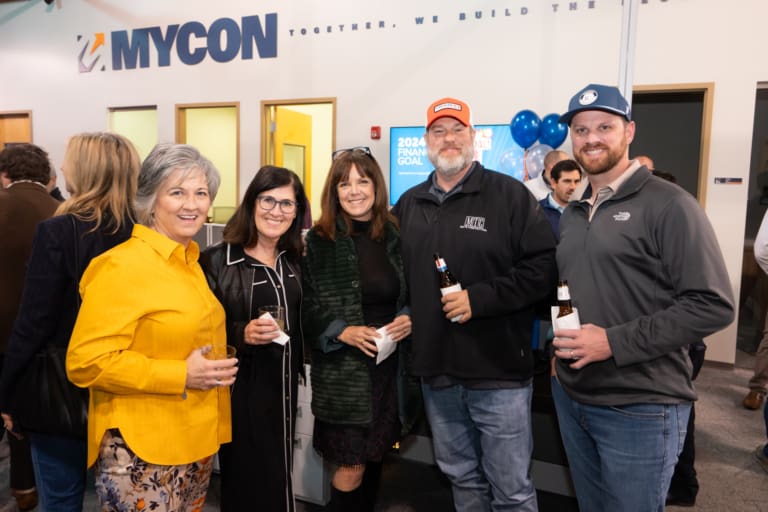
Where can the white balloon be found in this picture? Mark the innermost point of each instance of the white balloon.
(534, 159)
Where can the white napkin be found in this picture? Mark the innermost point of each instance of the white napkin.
(385, 344)
(570, 321)
(282, 338)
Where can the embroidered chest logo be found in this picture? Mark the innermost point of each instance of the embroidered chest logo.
(474, 223)
(622, 217)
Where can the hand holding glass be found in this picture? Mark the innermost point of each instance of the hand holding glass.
(277, 313)
(210, 367)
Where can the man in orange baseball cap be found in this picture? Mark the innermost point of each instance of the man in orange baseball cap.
(475, 371)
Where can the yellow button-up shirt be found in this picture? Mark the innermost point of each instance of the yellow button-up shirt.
(146, 306)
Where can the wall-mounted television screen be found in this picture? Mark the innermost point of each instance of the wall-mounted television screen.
(409, 165)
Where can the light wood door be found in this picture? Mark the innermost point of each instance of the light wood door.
(15, 127)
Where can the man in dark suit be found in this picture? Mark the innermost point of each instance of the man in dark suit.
(564, 178)
(24, 201)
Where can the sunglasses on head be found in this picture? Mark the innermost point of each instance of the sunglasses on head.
(365, 150)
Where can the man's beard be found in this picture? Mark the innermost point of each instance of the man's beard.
(607, 162)
(448, 166)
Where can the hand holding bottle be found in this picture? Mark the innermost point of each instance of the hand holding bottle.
(455, 300)
(457, 307)
(565, 316)
(586, 345)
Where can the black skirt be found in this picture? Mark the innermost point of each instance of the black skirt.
(352, 445)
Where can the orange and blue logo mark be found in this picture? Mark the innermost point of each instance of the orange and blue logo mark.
(90, 54)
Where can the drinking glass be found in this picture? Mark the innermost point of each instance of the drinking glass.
(277, 313)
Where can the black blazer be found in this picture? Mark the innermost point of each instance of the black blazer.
(61, 250)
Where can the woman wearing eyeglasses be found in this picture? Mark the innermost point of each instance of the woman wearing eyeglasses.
(256, 265)
(353, 284)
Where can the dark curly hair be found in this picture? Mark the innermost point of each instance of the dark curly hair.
(25, 162)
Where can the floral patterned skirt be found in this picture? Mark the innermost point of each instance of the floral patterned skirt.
(125, 482)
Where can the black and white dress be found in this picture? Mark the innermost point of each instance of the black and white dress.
(256, 465)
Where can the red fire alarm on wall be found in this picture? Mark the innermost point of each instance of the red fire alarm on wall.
(375, 132)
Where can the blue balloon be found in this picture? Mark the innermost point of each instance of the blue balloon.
(552, 132)
(525, 128)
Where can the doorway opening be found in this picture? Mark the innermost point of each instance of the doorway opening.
(137, 124)
(673, 128)
(214, 129)
(753, 298)
(300, 135)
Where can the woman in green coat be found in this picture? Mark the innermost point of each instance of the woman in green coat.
(353, 285)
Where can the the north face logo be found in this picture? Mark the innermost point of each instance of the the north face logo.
(622, 216)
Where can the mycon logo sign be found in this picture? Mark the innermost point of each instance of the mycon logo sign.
(224, 40)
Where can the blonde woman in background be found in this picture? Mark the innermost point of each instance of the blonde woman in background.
(100, 170)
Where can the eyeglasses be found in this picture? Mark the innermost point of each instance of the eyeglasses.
(365, 150)
(268, 203)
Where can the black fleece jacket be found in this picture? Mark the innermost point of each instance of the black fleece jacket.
(497, 242)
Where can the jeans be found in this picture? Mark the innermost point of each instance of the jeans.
(483, 443)
(621, 457)
(60, 471)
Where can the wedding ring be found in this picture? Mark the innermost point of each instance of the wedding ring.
(218, 382)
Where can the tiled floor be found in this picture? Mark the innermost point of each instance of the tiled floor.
(730, 478)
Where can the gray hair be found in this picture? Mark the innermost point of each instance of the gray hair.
(159, 164)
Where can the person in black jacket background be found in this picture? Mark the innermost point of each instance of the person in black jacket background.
(101, 171)
(24, 169)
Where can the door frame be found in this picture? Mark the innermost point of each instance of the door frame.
(180, 110)
(266, 121)
(708, 90)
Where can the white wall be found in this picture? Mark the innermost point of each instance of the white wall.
(387, 76)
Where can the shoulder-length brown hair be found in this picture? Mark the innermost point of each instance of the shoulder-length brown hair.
(241, 228)
(331, 207)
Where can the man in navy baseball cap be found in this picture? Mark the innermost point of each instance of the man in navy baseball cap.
(598, 97)
(644, 266)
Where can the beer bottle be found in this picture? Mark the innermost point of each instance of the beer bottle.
(448, 283)
(564, 299)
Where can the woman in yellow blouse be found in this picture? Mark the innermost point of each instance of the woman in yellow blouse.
(159, 409)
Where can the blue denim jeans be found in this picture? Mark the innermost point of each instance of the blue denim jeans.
(622, 457)
(60, 471)
(483, 443)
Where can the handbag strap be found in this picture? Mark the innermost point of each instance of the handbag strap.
(76, 265)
